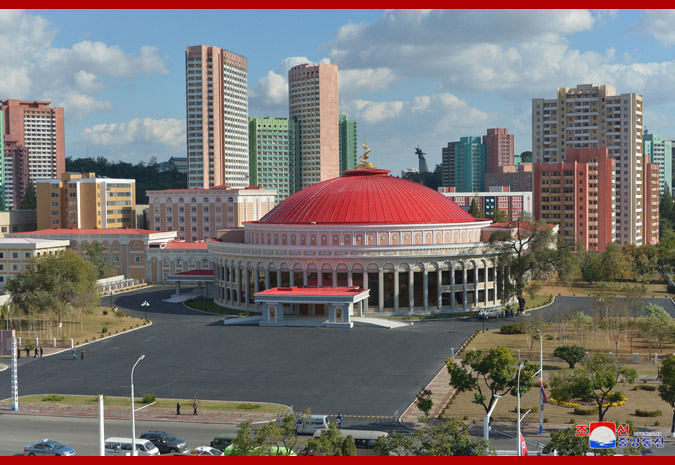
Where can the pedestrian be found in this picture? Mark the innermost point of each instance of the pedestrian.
(338, 420)
(41, 351)
(177, 408)
(18, 352)
(82, 354)
(36, 352)
(74, 354)
(27, 351)
(194, 406)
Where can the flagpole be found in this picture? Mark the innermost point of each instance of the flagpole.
(541, 377)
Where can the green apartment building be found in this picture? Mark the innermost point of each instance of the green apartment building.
(272, 149)
(660, 152)
(349, 145)
(464, 164)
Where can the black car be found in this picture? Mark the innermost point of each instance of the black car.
(165, 442)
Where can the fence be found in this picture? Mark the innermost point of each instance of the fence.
(120, 285)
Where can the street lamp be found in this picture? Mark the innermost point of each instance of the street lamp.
(520, 366)
(134, 452)
(486, 423)
(541, 382)
(145, 306)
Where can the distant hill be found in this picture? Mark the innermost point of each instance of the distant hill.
(147, 176)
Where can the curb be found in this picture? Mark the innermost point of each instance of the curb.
(539, 308)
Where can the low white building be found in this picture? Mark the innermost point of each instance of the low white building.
(15, 253)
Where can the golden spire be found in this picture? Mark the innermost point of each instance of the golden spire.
(364, 158)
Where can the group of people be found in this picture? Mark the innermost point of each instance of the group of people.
(38, 353)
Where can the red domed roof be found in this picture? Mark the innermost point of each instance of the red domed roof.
(367, 196)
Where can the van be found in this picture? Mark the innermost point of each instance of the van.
(221, 441)
(363, 439)
(487, 313)
(122, 446)
(303, 425)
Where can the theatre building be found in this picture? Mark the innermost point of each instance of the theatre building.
(413, 249)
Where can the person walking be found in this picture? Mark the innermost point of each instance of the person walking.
(194, 406)
(41, 351)
(82, 354)
(18, 352)
(178, 408)
(36, 352)
(27, 352)
(74, 354)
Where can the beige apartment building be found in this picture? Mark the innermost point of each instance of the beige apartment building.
(16, 253)
(81, 200)
(590, 116)
(197, 214)
(12, 221)
(313, 104)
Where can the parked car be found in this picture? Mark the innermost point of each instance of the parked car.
(488, 313)
(221, 441)
(116, 446)
(206, 450)
(165, 442)
(48, 447)
(309, 426)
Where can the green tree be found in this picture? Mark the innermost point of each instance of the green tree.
(657, 326)
(667, 387)
(474, 210)
(56, 283)
(349, 447)
(571, 354)
(329, 443)
(245, 444)
(565, 443)
(594, 380)
(94, 251)
(591, 267)
(424, 402)
(498, 216)
(450, 438)
(29, 201)
(614, 262)
(497, 370)
(281, 434)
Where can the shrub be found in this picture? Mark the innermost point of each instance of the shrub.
(644, 387)
(53, 398)
(657, 423)
(572, 421)
(104, 330)
(248, 406)
(105, 312)
(585, 411)
(525, 409)
(93, 338)
(466, 417)
(648, 413)
(149, 397)
(85, 341)
(571, 354)
(513, 328)
(548, 337)
(545, 420)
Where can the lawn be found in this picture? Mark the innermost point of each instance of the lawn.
(160, 403)
(581, 288)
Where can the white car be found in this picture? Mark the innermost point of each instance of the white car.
(205, 450)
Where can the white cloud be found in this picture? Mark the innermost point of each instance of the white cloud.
(167, 132)
(351, 82)
(373, 112)
(33, 68)
(658, 24)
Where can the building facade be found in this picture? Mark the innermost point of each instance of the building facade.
(13, 221)
(499, 150)
(169, 258)
(216, 82)
(313, 105)
(590, 116)
(197, 214)
(16, 253)
(272, 154)
(414, 249)
(653, 181)
(513, 204)
(34, 145)
(519, 178)
(81, 200)
(179, 164)
(349, 144)
(660, 152)
(578, 195)
(464, 164)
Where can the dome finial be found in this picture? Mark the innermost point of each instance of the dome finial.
(364, 158)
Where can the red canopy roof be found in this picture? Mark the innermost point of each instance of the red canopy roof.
(367, 196)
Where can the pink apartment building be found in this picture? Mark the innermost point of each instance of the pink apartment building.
(498, 149)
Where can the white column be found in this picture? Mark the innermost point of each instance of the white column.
(365, 286)
(439, 282)
(238, 285)
(319, 278)
(267, 277)
(396, 291)
(485, 286)
(464, 283)
(452, 285)
(247, 283)
(256, 280)
(380, 275)
(335, 283)
(426, 289)
(304, 277)
(411, 289)
(292, 278)
(350, 278)
(278, 277)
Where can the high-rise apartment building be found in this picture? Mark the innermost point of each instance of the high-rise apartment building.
(197, 214)
(591, 116)
(2, 162)
(513, 204)
(216, 88)
(34, 145)
(578, 194)
(349, 144)
(313, 104)
(272, 154)
(519, 178)
(83, 201)
(498, 149)
(652, 180)
(660, 152)
(463, 164)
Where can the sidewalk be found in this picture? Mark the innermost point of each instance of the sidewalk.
(204, 416)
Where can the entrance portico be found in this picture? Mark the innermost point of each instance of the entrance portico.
(337, 303)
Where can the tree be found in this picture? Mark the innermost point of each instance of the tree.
(498, 216)
(94, 251)
(614, 262)
(498, 370)
(657, 326)
(244, 444)
(474, 210)
(667, 387)
(450, 438)
(349, 447)
(595, 381)
(329, 443)
(424, 402)
(591, 267)
(565, 443)
(55, 283)
(29, 201)
(571, 354)
(280, 433)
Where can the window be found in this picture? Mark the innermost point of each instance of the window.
(15, 254)
(116, 259)
(137, 259)
(27, 254)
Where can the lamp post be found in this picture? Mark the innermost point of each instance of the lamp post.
(541, 381)
(134, 452)
(520, 366)
(145, 306)
(486, 423)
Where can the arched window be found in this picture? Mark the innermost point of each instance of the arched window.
(181, 200)
(206, 200)
(193, 200)
(169, 200)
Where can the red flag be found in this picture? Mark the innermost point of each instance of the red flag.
(522, 448)
(544, 399)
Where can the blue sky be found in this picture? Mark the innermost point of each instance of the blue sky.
(412, 77)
